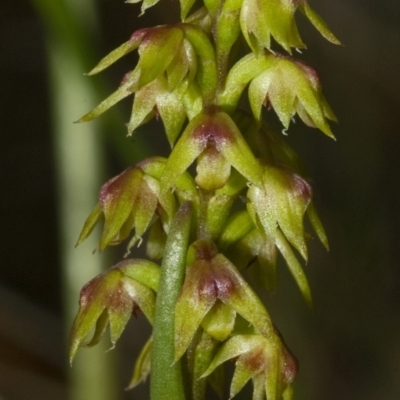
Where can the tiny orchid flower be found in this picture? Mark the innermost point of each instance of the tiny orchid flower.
(214, 285)
(129, 200)
(268, 363)
(214, 137)
(282, 202)
(262, 19)
(291, 87)
(111, 298)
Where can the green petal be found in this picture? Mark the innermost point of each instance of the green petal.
(200, 355)
(101, 326)
(144, 103)
(234, 291)
(192, 100)
(245, 251)
(186, 5)
(145, 208)
(243, 373)
(193, 304)
(212, 169)
(117, 198)
(143, 296)
(183, 154)
(236, 150)
(294, 267)
(142, 366)
(89, 224)
(273, 373)
(220, 321)
(218, 210)
(239, 76)
(317, 225)
(282, 97)
(119, 52)
(143, 271)
(318, 23)
(121, 308)
(156, 240)
(172, 111)
(123, 91)
(147, 4)
(157, 50)
(280, 19)
(259, 387)
(237, 226)
(207, 73)
(234, 347)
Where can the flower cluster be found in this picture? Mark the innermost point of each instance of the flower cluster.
(227, 219)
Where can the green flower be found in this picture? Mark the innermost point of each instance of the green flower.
(262, 19)
(166, 81)
(111, 298)
(267, 362)
(167, 65)
(131, 200)
(287, 85)
(214, 138)
(212, 293)
(291, 87)
(281, 203)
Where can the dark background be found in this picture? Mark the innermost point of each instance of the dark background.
(349, 345)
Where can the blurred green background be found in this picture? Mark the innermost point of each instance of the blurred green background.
(51, 170)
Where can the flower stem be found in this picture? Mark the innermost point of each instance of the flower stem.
(166, 376)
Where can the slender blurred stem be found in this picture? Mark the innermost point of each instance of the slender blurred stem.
(166, 376)
(203, 231)
(79, 164)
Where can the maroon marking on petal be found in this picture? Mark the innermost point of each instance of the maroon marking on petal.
(290, 366)
(300, 187)
(125, 78)
(213, 132)
(310, 73)
(138, 34)
(89, 290)
(206, 287)
(226, 284)
(205, 250)
(113, 186)
(255, 360)
(120, 299)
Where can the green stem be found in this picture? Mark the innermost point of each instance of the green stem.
(166, 376)
(203, 231)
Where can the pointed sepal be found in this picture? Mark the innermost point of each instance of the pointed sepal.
(110, 299)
